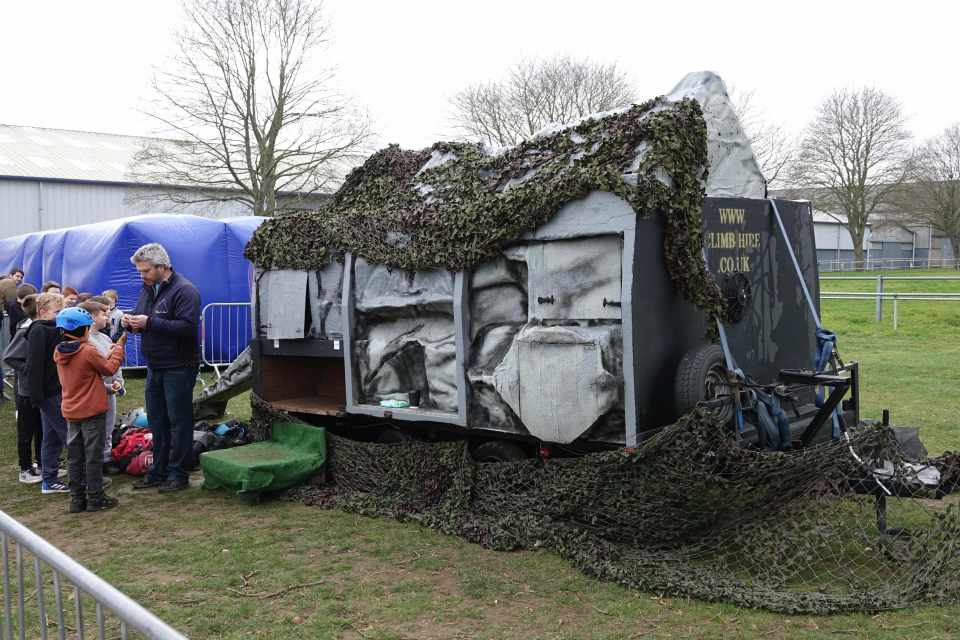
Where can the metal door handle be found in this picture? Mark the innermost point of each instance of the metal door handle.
(545, 300)
(611, 303)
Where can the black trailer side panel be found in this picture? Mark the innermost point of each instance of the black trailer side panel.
(665, 326)
(742, 244)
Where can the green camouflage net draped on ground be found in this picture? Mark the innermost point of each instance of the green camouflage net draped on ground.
(453, 206)
(689, 513)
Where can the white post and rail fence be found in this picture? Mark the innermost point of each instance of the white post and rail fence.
(880, 295)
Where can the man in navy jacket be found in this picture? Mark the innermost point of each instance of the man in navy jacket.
(168, 317)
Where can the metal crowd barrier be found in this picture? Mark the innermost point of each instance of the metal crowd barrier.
(225, 331)
(23, 617)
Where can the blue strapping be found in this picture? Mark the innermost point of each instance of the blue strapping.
(774, 420)
(826, 342)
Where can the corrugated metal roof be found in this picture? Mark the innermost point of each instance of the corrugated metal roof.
(60, 154)
(820, 215)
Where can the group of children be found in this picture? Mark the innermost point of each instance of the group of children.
(67, 381)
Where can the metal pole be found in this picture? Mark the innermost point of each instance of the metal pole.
(879, 298)
(38, 568)
(7, 609)
(894, 313)
(21, 595)
(58, 593)
(78, 603)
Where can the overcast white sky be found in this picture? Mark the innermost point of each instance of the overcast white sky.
(86, 65)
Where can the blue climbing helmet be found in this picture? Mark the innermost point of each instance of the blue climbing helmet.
(73, 318)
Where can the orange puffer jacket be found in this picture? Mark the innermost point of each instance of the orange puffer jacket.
(80, 367)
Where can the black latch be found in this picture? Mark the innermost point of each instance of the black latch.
(611, 303)
(545, 300)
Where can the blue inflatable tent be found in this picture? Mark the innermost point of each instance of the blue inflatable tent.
(95, 257)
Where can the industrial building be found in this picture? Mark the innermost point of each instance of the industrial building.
(887, 243)
(55, 178)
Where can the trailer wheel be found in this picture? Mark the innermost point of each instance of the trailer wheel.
(702, 376)
(498, 451)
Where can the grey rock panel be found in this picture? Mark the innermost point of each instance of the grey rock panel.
(282, 303)
(377, 287)
(553, 378)
(404, 354)
(576, 279)
(733, 169)
(324, 293)
(601, 212)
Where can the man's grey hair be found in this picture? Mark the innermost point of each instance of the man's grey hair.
(152, 253)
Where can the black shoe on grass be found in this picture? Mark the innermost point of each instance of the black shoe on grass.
(146, 483)
(78, 506)
(104, 503)
(173, 485)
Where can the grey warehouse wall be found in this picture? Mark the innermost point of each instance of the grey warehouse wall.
(32, 205)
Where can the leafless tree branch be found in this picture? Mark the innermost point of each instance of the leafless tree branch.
(774, 147)
(931, 194)
(854, 156)
(536, 93)
(249, 112)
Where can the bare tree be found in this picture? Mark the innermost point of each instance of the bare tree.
(931, 195)
(251, 116)
(774, 147)
(536, 93)
(853, 155)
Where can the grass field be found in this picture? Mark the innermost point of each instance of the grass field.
(183, 555)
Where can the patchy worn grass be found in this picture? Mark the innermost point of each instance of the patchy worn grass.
(186, 555)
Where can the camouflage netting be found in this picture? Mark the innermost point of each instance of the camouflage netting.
(689, 513)
(453, 206)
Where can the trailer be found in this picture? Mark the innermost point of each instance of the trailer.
(593, 328)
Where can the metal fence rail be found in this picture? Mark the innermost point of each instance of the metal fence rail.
(225, 330)
(879, 294)
(887, 263)
(26, 606)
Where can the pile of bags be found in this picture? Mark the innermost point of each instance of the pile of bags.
(133, 442)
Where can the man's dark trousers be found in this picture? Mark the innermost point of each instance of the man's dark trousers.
(169, 397)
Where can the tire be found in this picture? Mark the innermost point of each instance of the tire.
(700, 377)
(498, 451)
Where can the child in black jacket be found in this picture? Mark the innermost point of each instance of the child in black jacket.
(44, 387)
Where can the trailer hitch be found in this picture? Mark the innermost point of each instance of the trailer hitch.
(839, 386)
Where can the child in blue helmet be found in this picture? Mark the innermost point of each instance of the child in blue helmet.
(84, 404)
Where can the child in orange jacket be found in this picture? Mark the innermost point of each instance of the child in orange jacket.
(81, 369)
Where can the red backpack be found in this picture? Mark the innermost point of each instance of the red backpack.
(140, 464)
(132, 444)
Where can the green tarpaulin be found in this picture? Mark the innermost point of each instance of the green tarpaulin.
(294, 453)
